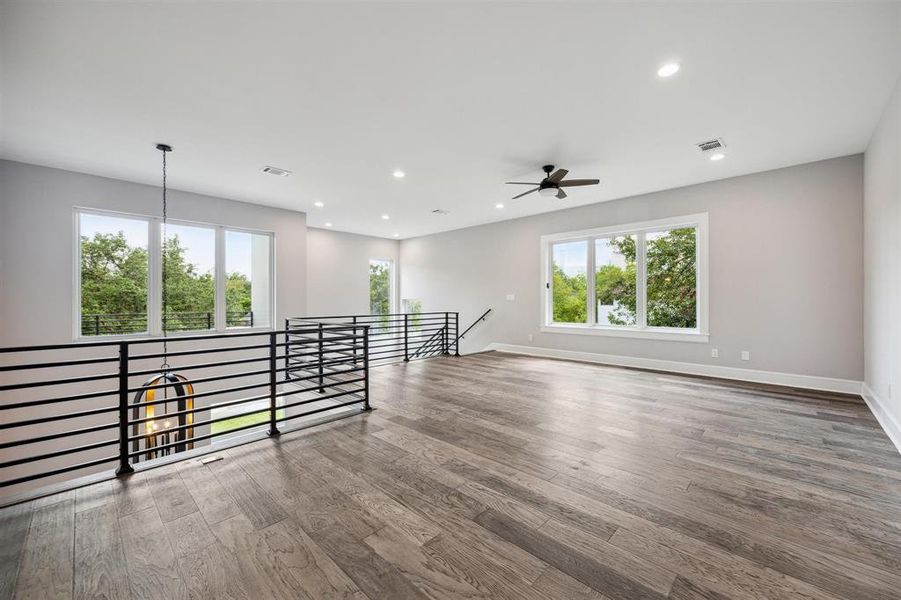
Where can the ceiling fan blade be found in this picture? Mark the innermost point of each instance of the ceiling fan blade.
(525, 193)
(561, 194)
(558, 175)
(520, 183)
(576, 182)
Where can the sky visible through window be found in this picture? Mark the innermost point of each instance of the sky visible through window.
(199, 250)
(571, 257)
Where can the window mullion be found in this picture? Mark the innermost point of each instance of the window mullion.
(591, 271)
(641, 284)
(155, 278)
(219, 277)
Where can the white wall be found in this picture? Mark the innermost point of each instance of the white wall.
(338, 270)
(786, 271)
(36, 243)
(882, 296)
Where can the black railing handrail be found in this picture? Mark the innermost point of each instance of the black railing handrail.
(374, 316)
(144, 314)
(339, 382)
(474, 323)
(159, 339)
(395, 336)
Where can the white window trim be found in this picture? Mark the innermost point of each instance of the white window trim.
(154, 277)
(700, 334)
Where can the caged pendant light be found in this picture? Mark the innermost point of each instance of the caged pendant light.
(165, 420)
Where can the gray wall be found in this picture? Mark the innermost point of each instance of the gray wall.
(36, 245)
(338, 270)
(786, 271)
(882, 223)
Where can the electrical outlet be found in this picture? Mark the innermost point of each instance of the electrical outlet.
(714, 353)
(745, 355)
(511, 297)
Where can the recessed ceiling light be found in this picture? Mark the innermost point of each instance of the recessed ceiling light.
(385, 217)
(499, 205)
(319, 204)
(668, 70)
(328, 224)
(399, 174)
(717, 156)
(396, 235)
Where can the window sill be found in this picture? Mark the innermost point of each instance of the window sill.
(670, 335)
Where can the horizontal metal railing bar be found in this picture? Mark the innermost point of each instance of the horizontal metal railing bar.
(320, 410)
(354, 391)
(42, 401)
(441, 312)
(234, 389)
(207, 365)
(60, 363)
(60, 471)
(64, 381)
(57, 435)
(157, 386)
(237, 402)
(62, 417)
(170, 354)
(57, 453)
(199, 438)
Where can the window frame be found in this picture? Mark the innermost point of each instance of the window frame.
(155, 276)
(392, 281)
(640, 330)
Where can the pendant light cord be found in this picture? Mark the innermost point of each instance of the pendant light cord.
(165, 366)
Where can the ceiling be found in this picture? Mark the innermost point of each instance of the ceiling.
(460, 96)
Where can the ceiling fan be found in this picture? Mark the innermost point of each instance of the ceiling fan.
(552, 185)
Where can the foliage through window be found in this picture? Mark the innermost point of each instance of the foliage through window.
(380, 286)
(644, 279)
(120, 276)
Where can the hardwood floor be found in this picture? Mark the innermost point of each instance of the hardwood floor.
(499, 476)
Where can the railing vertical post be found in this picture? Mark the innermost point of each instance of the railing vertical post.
(209, 323)
(366, 368)
(96, 324)
(124, 465)
(273, 382)
(251, 318)
(354, 341)
(457, 334)
(406, 338)
(446, 333)
(287, 351)
(321, 360)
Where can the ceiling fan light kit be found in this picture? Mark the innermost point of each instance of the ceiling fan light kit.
(552, 184)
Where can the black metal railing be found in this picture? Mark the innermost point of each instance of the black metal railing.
(69, 410)
(393, 337)
(125, 323)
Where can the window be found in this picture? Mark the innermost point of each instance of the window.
(637, 280)
(216, 278)
(381, 286)
(189, 266)
(248, 286)
(570, 285)
(113, 272)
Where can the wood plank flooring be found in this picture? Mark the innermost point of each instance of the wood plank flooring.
(499, 476)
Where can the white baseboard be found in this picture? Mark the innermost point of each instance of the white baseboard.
(888, 422)
(811, 382)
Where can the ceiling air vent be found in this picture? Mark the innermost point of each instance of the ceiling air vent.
(276, 171)
(440, 211)
(716, 144)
